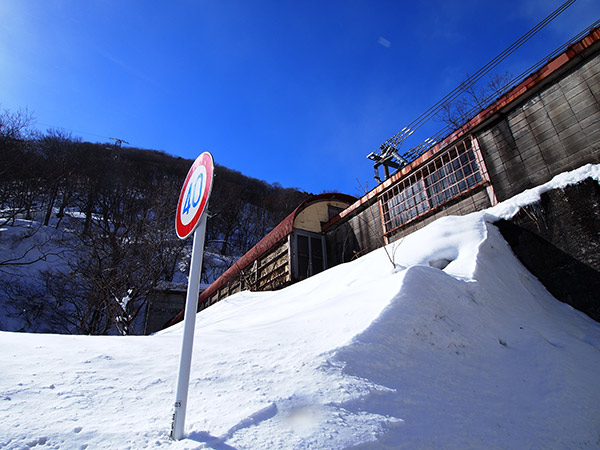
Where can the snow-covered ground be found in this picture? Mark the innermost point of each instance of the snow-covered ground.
(458, 346)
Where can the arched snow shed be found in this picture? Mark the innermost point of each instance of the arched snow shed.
(294, 250)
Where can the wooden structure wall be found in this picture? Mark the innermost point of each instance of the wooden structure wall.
(270, 264)
(268, 272)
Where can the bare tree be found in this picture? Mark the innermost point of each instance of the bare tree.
(56, 150)
(120, 242)
(474, 99)
(19, 179)
(129, 249)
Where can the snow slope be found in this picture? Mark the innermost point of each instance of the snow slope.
(458, 346)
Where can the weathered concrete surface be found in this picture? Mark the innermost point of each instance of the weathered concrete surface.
(558, 240)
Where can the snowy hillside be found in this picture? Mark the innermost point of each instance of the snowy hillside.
(458, 346)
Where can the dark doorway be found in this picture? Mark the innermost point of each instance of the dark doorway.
(309, 255)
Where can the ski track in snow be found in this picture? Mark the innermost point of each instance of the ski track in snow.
(457, 347)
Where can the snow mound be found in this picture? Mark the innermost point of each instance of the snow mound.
(454, 346)
(492, 362)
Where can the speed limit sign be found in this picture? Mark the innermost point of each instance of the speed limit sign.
(191, 214)
(194, 195)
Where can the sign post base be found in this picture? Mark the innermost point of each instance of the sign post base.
(189, 323)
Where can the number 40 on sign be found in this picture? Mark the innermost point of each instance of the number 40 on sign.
(194, 195)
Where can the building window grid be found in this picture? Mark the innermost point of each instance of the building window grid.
(451, 174)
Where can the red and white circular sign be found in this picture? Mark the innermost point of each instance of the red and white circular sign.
(194, 195)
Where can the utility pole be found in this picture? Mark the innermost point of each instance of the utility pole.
(119, 142)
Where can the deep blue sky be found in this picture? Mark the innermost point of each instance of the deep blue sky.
(291, 92)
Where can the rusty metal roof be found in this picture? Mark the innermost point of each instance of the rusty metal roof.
(281, 231)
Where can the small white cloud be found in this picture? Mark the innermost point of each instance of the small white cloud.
(384, 42)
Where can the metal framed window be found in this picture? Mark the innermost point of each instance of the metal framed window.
(308, 253)
(444, 178)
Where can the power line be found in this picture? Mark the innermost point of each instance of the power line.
(74, 131)
(419, 121)
(516, 80)
(390, 147)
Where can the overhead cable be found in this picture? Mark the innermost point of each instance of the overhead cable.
(462, 87)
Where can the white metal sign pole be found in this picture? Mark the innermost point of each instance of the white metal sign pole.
(189, 323)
